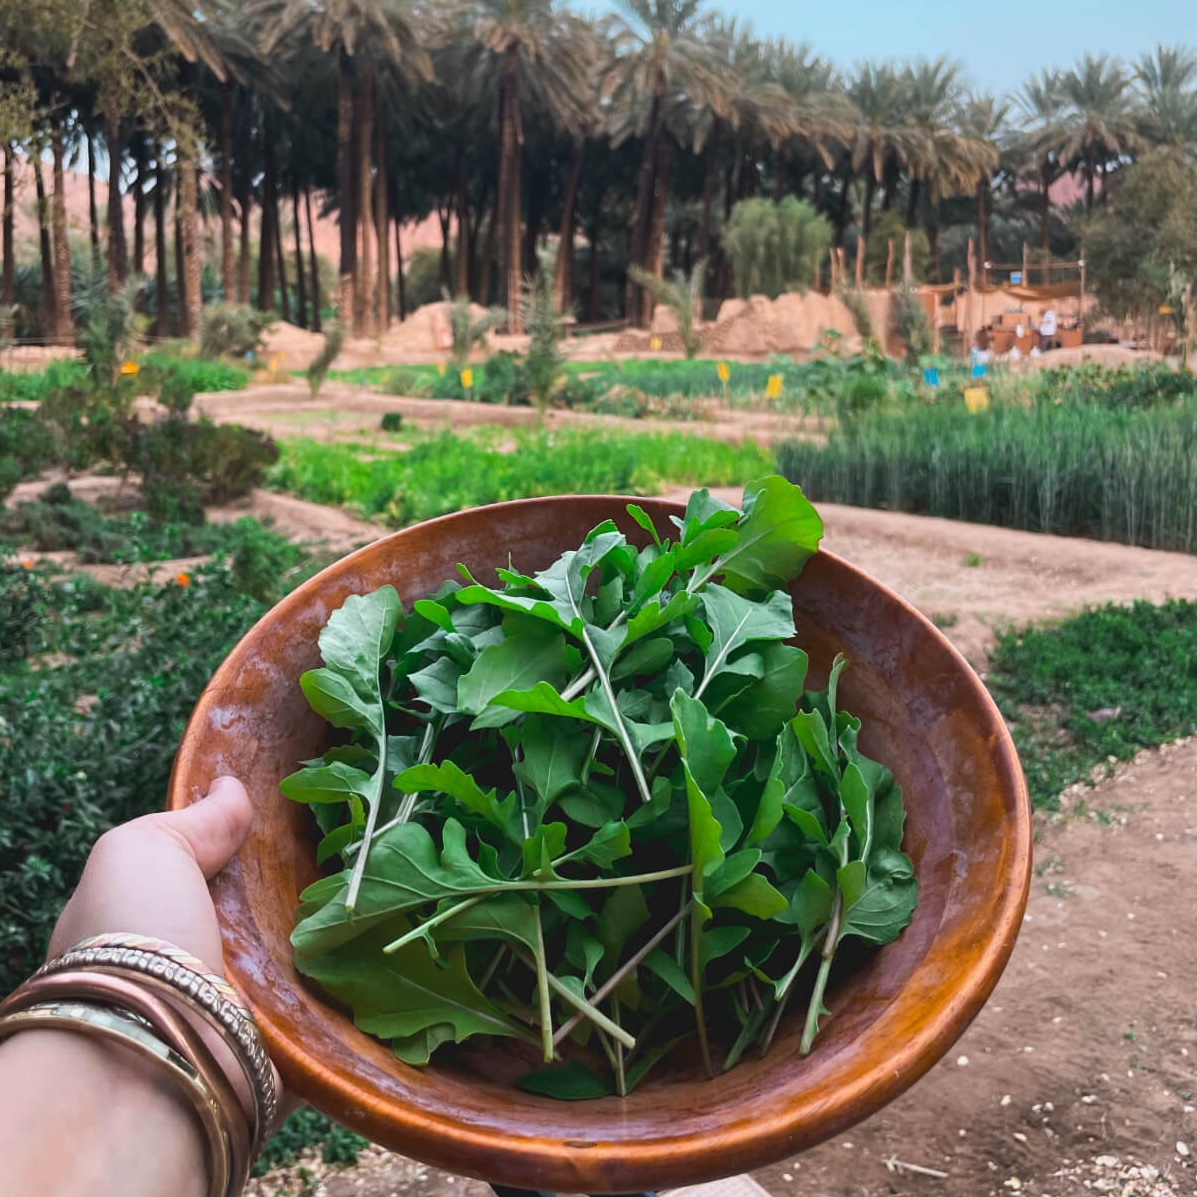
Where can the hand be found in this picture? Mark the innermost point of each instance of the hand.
(150, 876)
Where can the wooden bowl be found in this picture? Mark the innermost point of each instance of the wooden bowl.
(968, 832)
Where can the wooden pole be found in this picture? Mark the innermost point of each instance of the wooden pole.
(1026, 269)
(1081, 313)
(860, 254)
(968, 302)
(889, 265)
(907, 260)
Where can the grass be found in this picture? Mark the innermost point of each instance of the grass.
(1103, 685)
(1115, 473)
(448, 473)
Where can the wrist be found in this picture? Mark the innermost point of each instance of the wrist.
(80, 1115)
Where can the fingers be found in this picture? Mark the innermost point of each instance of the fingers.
(214, 827)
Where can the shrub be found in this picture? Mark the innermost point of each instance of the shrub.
(775, 247)
(392, 421)
(909, 324)
(232, 330)
(26, 446)
(465, 330)
(201, 376)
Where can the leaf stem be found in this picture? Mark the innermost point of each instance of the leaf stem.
(375, 801)
(616, 977)
(811, 1029)
(542, 990)
(432, 921)
(620, 729)
(704, 1045)
(596, 1016)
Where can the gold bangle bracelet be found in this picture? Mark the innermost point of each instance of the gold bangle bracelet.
(199, 993)
(130, 997)
(115, 1026)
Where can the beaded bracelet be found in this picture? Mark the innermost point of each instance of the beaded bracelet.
(204, 993)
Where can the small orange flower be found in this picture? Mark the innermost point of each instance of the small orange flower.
(26, 563)
(183, 580)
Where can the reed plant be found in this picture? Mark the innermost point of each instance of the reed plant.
(1112, 473)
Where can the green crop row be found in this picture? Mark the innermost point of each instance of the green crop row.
(448, 473)
(1114, 474)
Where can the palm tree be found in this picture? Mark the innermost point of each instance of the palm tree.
(535, 59)
(365, 37)
(982, 119)
(1043, 137)
(1101, 125)
(1165, 81)
(881, 140)
(660, 54)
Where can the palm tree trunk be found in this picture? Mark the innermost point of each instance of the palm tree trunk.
(866, 211)
(193, 296)
(1090, 176)
(710, 177)
(511, 139)
(781, 183)
(592, 235)
(315, 262)
(488, 249)
(912, 203)
(1045, 209)
(645, 203)
(532, 226)
(139, 158)
(563, 282)
(461, 285)
(228, 273)
(268, 236)
(93, 217)
(983, 217)
(301, 291)
(382, 224)
(62, 247)
(402, 282)
(244, 207)
(161, 297)
(655, 252)
(8, 276)
(841, 220)
(284, 292)
(365, 192)
(348, 216)
(49, 290)
(118, 264)
(180, 269)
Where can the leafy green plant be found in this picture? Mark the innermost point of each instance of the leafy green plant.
(200, 375)
(683, 296)
(775, 247)
(306, 1129)
(853, 299)
(109, 329)
(448, 473)
(232, 330)
(318, 368)
(1104, 684)
(465, 330)
(635, 722)
(392, 421)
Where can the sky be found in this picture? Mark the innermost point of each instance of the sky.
(1000, 44)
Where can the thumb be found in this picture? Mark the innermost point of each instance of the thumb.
(214, 827)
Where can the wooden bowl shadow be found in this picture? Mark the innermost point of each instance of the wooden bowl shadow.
(925, 714)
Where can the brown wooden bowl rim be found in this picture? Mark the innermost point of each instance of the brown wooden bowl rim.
(591, 1165)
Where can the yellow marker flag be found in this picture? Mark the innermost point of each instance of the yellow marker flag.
(773, 387)
(130, 368)
(654, 344)
(976, 399)
(724, 372)
(467, 378)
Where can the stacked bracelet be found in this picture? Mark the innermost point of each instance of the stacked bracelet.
(204, 993)
(119, 987)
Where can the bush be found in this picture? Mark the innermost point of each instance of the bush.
(334, 338)
(232, 330)
(26, 446)
(32, 388)
(392, 421)
(201, 376)
(683, 296)
(909, 324)
(775, 247)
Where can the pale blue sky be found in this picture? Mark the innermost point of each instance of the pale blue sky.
(1000, 43)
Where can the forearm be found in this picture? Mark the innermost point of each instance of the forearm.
(83, 1118)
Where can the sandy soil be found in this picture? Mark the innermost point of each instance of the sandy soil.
(1079, 1074)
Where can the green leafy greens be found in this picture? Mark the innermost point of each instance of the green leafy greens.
(596, 805)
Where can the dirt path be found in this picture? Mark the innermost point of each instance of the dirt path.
(1079, 1074)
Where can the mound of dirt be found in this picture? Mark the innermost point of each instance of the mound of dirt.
(290, 348)
(426, 330)
(792, 323)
